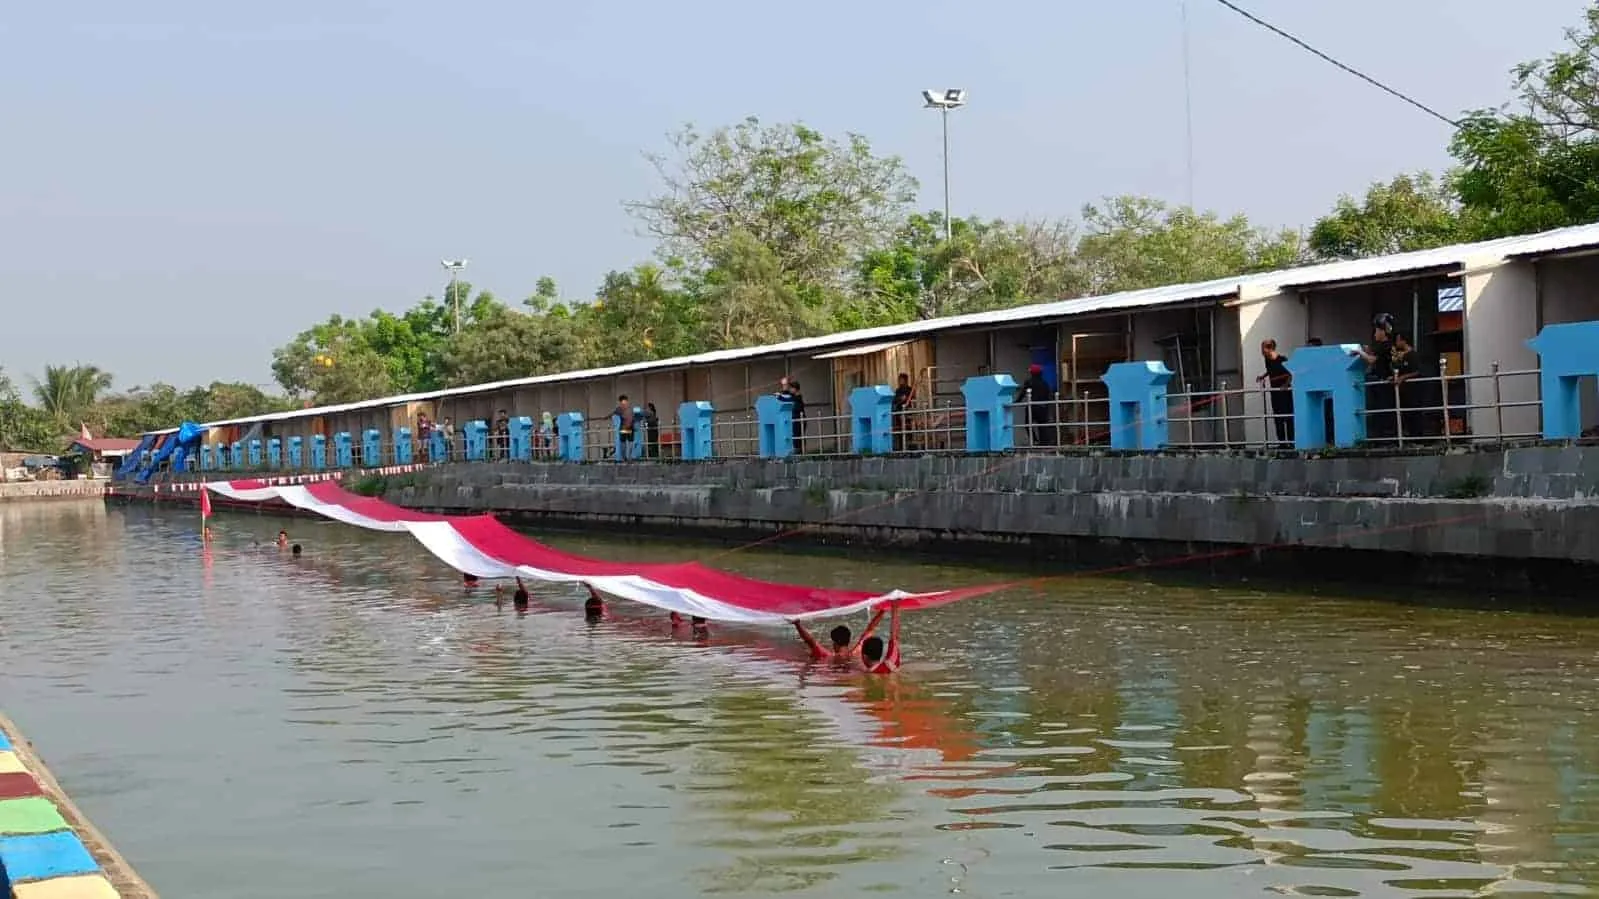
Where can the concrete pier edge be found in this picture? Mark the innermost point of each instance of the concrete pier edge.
(113, 868)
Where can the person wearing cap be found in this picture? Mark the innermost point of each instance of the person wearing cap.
(1039, 403)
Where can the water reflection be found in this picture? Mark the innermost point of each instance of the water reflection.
(1107, 735)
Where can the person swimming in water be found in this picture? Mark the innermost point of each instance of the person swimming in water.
(283, 538)
(295, 550)
(699, 628)
(878, 657)
(519, 599)
(469, 581)
(842, 650)
(594, 606)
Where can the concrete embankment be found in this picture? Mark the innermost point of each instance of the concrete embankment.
(1507, 520)
(21, 491)
(48, 849)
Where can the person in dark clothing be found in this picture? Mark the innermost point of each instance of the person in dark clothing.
(790, 393)
(1380, 423)
(904, 395)
(1403, 363)
(1039, 403)
(1279, 382)
(652, 431)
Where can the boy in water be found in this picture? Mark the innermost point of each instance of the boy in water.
(841, 650)
(519, 599)
(699, 628)
(283, 538)
(295, 550)
(878, 658)
(593, 607)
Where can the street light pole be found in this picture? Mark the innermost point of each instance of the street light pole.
(455, 266)
(944, 101)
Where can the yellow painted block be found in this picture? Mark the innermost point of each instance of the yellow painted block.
(10, 764)
(86, 886)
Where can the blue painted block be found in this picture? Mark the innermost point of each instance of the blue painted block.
(1322, 375)
(871, 420)
(5, 742)
(253, 452)
(236, 456)
(1138, 392)
(296, 452)
(696, 423)
(45, 855)
(477, 440)
(371, 447)
(990, 413)
(571, 428)
(1566, 354)
(343, 450)
(274, 453)
(207, 462)
(404, 453)
(319, 452)
(774, 423)
(522, 438)
(438, 448)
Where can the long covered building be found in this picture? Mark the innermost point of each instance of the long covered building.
(1471, 308)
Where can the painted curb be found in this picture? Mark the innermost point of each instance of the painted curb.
(43, 850)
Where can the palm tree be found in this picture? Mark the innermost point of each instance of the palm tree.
(66, 392)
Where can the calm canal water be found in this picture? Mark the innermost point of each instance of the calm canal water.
(352, 724)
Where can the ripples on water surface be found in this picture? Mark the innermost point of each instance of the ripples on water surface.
(353, 725)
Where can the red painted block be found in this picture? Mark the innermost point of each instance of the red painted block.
(17, 785)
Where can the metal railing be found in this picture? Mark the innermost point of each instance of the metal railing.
(1446, 410)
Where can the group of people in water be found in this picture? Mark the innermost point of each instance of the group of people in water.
(870, 653)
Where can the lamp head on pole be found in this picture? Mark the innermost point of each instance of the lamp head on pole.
(454, 265)
(953, 98)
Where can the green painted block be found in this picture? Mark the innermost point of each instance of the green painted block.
(35, 814)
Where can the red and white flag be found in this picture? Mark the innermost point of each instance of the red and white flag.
(205, 503)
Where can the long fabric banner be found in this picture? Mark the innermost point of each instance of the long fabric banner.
(480, 545)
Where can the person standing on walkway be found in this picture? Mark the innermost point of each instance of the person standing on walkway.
(1278, 382)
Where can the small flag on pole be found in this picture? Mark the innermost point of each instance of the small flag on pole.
(205, 504)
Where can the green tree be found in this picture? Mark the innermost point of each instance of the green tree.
(24, 428)
(641, 315)
(1538, 168)
(1134, 243)
(1411, 212)
(986, 265)
(815, 204)
(508, 344)
(66, 392)
(746, 299)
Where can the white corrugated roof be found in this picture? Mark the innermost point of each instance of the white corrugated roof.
(1304, 277)
(866, 350)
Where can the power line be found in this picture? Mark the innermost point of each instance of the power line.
(1347, 68)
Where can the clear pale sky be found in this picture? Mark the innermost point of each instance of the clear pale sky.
(187, 184)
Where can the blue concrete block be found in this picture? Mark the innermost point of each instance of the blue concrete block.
(1328, 374)
(253, 451)
(5, 742)
(236, 456)
(45, 855)
(1566, 354)
(274, 453)
(774, 424)
(207, 461)
(990, 413)
(296, 452)
(438, 449)
(696, 423)
(571, 428)
(404, 452)
(372, 447)
(522, 438)
(871, 420)
(319, 452)
(343, 450)
(476, 434)
(1138, 413)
